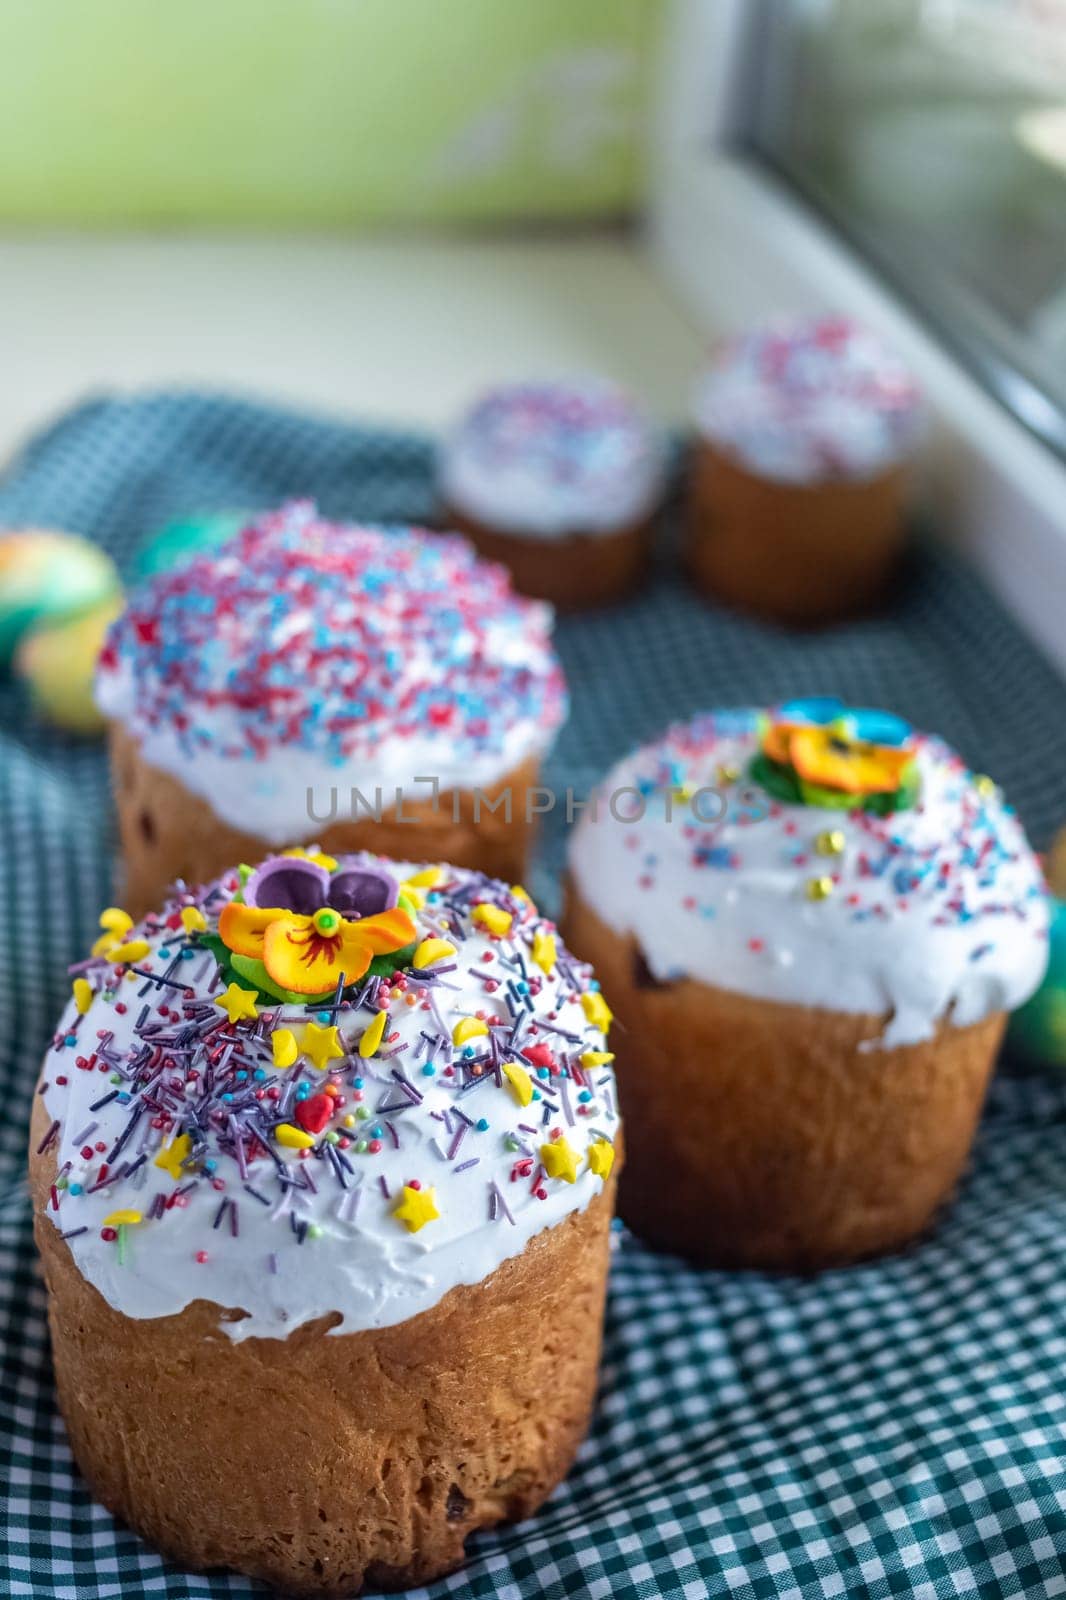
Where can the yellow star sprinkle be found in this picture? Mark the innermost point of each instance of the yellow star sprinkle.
(322, 1045)
(431, 950)
(416, 1208)
(819, 888)
(544, 951)
(494, 919)
(468, 1028)
(238, 1002)
(283, 1044)
(596, 1010)
(372, 1035)
(172, 1155)
(596, 1058)
(193, 920)
(520, 1081)
(560, 1160)
(83, 995)
(419, 884)
(830, 842)
(317, 856)
(292, 1138)
(135, 950)
(115, 920)
(601, 1158)
(428, 878)
(122, 1219)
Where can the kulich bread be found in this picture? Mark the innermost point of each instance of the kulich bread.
(312, 676)
(798, 480)
(170, 834)
(576, 572)
(793, 1149)
(811, 922)
(326, 1265)
(799, 554)
(560, 483)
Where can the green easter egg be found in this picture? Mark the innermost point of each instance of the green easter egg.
(45, 576)
(57, 662)
(1038, 1029)
(179, 541)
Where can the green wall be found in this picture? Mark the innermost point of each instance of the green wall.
(321, 111)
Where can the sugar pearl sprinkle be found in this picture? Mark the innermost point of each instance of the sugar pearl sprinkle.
(336, 640)
(543, 458)
(934, 909)
(808, 400)
(359, 1153)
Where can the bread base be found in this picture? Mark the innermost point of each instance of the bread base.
(795, 553)
(576, 572)
(166, 832)
(324, 1462)
(765, 1134)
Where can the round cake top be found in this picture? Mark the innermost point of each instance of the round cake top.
(324, 1087)
(807, 402)
(823, 856)
(545, 460)
(304, 647)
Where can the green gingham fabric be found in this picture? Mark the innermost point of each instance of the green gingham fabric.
(895, 1429)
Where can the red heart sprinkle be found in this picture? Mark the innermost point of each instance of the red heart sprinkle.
(313, 1113)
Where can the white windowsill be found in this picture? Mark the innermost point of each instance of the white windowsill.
(397, 330)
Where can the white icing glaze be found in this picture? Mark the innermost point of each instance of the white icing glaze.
(545, 460)
(810, 402)
(283, 795)
(308, 656)
(935, 910)
(363, 1263)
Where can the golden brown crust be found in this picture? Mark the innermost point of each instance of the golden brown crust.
(167, 832)
(764, 1135)
(577, 572)
(324, 1462)
(791, 552)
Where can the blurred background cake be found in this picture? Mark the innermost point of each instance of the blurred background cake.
(560, 482)
(798, 480)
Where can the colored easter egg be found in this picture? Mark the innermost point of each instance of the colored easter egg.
(186, 537)
(1038, 1030)
(46, 575)
(57, 662)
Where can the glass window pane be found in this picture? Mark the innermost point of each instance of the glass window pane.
(933, 133)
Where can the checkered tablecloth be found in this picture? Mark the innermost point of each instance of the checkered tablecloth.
(896, 1429)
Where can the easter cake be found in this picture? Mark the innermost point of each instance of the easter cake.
(812, 922)
(559, 481)
(798, 482)
(323, 1162)
(368, 687)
